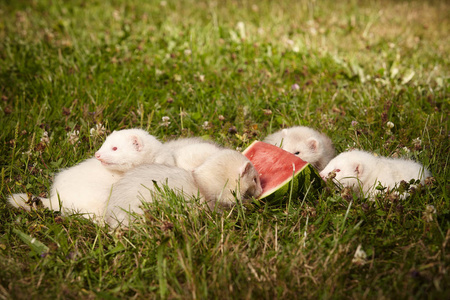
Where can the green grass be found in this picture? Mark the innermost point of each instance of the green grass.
(70, 65)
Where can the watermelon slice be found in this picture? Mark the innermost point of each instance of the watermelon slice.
(283, 175)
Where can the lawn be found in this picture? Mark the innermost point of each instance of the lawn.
(232, 72)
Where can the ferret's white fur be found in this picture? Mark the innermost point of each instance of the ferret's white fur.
(186, 153)
(362, 171)
(85, 188)
(308, 144)
(224, 173)
(82, 189)
(138, 185)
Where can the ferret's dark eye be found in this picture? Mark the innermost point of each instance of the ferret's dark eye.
(337, 170)
(297, 153)
(114, 149)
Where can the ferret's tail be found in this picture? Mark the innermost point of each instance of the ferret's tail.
(28, 201)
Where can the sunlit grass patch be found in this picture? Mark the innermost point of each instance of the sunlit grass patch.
(371, 75)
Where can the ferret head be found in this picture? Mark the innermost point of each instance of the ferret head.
(125, 149)
(249, 183)
(308, 144)
(348, 168)
(226, 175)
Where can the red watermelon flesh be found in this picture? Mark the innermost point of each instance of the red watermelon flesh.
(277, 168)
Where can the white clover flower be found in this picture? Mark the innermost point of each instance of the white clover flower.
(201, 78)
(187, 52)
(295, 87)
(206, 125)
(221, 118)
(241, 28)
(354, 123)
(165, 121)
(394, 72)
(98, 130)
(45, 138)
(101, 129)
(177, 77)
(116, 15)
(417, 141)
(245, 110)
(73, 136)
(406, 149)
(243, 137)
(390, 125)
(183, 114)
(313, 31)
(289, 42)
(430, 210)
(360, 257)
(267, 112)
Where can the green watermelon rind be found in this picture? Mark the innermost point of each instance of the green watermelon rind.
(285, 187)
(313, 182)
(305, 181)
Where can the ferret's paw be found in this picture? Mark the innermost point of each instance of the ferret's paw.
(25, 201)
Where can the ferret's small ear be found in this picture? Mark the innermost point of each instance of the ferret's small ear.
(137, 143)
(245, 169)
(358, 169)
(312, 143)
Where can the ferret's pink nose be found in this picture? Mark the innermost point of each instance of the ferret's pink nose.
(97, 155)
